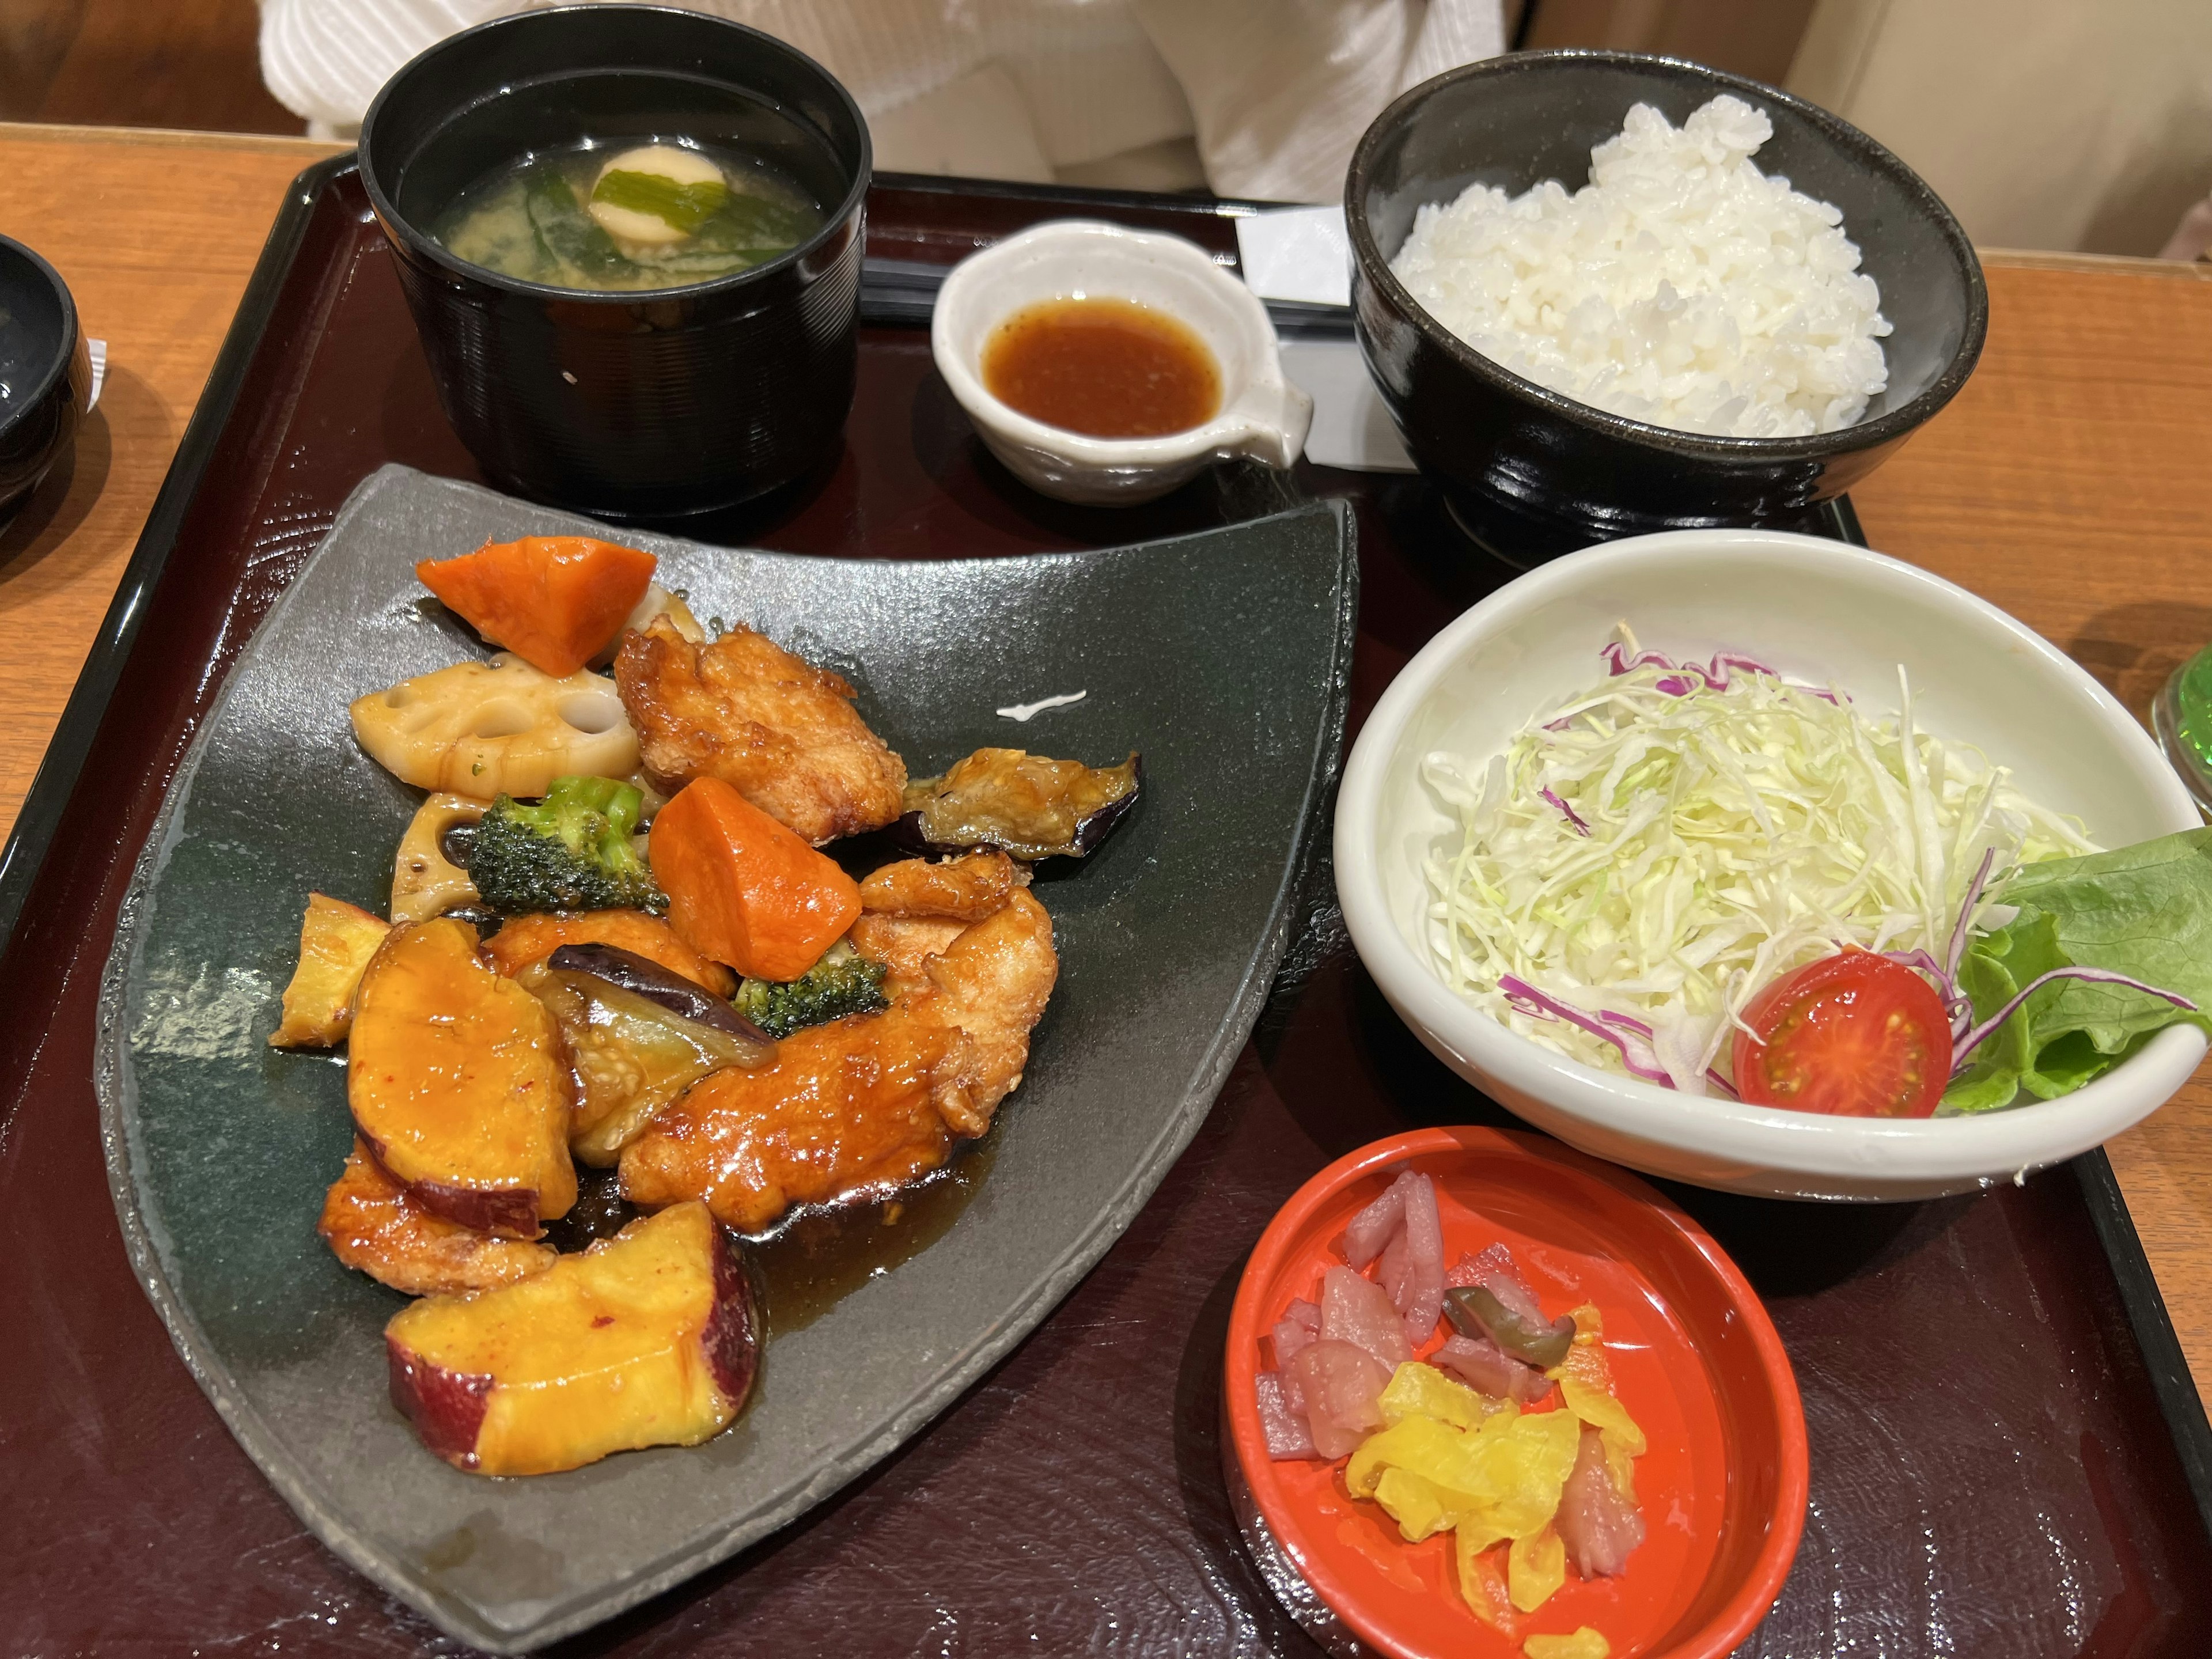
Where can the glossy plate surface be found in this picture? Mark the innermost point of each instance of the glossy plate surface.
(1694, 1357)
(1221, 656)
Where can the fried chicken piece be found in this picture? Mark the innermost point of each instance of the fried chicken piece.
(371, 1225)
(779, 730)
(862, 1104)
(967, 889)
(914, 910)
(991, 987)
(846, 1107)
(904, 944)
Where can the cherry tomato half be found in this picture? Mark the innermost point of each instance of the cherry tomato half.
(1855, 1035)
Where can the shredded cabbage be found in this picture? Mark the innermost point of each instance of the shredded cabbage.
(1664, 846)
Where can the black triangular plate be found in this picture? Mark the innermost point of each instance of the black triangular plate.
(1224, 657)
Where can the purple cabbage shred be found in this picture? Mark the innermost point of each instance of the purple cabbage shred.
(1573, 817)
(1682, 678)
(1963, 1049)
(1607, 1025)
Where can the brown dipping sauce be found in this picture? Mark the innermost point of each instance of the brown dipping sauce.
(1107, 368)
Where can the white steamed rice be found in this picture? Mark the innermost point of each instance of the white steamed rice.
(1680, 286)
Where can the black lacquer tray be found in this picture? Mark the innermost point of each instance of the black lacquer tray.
(2009, 1456)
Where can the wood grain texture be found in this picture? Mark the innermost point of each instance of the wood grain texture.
(176, 63)
(2067, 484)
(155, 234)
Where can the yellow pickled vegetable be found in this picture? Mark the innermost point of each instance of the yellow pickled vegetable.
(1478, 1534)
(1586, 1387)
(1584, 1644)
(1516, 1470)
(1413, 1503)
(1450, 1459)
(1416, 1444)
(1534, 1567)
(1481, 1582)
(1506, 1475)
(1419, 1390)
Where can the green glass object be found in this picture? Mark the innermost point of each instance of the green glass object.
(2193, 696)
(2182, 716)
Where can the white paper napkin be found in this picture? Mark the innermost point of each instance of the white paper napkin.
(1303, 253)
(1296, 254)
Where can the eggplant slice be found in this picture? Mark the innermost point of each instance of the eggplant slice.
(642, 976)
(637, 1036)
(1026, 805)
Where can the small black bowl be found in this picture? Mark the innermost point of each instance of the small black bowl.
(1530, 471)
(46, 373)
(653, 406)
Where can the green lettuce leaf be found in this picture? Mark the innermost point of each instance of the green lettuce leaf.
(1993, 1078)
(2144, 911)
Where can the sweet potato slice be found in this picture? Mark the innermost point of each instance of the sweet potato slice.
(336, 940)
(744, 890)
(459, 1084)
(647, 1338)
(526, 940)
(555, 601)
(372, 1225)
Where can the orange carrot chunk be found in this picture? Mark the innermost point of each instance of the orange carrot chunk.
(555, 601)
(744, 890)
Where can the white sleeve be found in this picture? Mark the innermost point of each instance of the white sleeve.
(1281, 90)
(325, 59)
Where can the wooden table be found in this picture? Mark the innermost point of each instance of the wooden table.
(2067, 484)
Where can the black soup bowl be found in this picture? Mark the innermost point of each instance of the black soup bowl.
(1532, 472)
(46, 373)
(653, 405)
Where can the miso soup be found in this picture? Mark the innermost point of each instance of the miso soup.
(626, 215)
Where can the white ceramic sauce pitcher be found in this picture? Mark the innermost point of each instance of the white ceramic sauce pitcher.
(1262, 415)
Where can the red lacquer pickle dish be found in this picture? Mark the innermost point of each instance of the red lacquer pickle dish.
(1486, 1396)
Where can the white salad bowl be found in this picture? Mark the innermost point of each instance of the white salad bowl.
(1262, 415)
(1820, 611)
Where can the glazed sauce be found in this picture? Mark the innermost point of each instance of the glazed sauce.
(813, 1258)
(817, 1257)
(1107, 369)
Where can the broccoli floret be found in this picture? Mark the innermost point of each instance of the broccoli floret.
(843, 982)
(571, 852)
